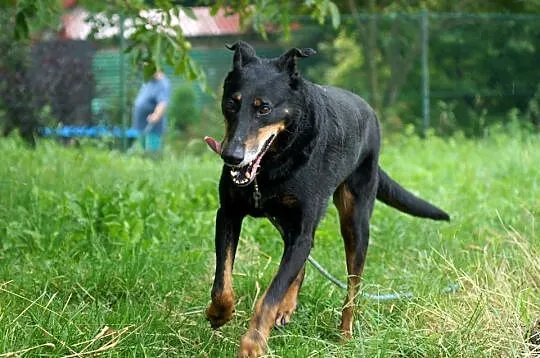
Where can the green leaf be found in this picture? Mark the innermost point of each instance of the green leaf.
(215, 8)
(30, 10)
(21, 26)
(189, 12)
(149, 68)
(191, 70)
(334, 13)
(156, 53)
(180, 66)
(173, 42)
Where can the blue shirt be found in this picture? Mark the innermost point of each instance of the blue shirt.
(150, 94)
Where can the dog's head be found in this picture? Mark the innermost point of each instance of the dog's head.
(260, 99)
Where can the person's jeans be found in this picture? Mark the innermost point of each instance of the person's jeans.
(151, 142)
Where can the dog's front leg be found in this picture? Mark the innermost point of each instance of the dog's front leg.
(228, 225)
(253, 343)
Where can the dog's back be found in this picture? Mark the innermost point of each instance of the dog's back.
(347, 129)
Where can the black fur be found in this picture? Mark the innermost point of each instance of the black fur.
(330, 145)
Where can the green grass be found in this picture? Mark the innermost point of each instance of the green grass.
(105, 253)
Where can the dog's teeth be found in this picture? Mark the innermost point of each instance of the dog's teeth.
(248, 175)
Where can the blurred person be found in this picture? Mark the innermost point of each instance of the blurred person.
(150, 112)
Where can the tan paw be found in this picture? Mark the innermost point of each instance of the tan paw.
(285, 311)
(252, 345)
(346, 331)
(220, 312)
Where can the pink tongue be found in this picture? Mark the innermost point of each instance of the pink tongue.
(213, 144)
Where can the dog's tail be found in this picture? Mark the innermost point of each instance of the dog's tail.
(394, 195)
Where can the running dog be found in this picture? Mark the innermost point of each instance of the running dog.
(289, 146)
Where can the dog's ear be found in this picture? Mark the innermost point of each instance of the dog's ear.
(243, 54)
(287, 61)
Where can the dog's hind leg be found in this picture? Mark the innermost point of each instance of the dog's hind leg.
(228, 226)
(354, 200)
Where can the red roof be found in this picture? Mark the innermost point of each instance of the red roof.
(74, 25)
(207, 25)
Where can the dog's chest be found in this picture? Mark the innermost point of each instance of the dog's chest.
(270, 203)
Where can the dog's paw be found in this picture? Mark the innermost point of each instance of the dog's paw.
(346, 331)
(252, 345)
(220, 312)
(285, 311)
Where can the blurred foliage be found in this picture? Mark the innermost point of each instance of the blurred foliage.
(482, 57)
(374, 55)
(481, 67)
(156, 40)
(19, 109)
(112, 111)
(477, 6)
(63, 78)
(183, 111)
(533, 108)
(50, 79)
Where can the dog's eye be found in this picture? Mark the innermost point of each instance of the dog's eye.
(263, 110)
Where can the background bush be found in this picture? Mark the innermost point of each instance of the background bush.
(183, 110)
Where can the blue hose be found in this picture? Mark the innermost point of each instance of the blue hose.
(452, 288)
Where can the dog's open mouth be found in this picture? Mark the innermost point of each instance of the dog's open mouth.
(243, 175)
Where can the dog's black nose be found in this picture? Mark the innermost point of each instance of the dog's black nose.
(233, 155)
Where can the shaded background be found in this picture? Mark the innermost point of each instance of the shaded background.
(446, 72)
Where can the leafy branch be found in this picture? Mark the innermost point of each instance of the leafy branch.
(156, 37)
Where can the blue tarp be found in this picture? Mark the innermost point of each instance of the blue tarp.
(89, 132)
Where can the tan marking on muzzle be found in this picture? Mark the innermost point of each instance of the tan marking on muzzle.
(253, 143)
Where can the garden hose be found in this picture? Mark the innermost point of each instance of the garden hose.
(454, 287)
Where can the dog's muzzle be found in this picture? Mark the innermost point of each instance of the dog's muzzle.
(245, 174)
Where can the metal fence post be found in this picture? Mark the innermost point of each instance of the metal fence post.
(121, 94)
(425, 71)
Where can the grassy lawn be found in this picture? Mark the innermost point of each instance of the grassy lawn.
(105, 253)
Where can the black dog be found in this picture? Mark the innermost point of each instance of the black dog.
(289, 146)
